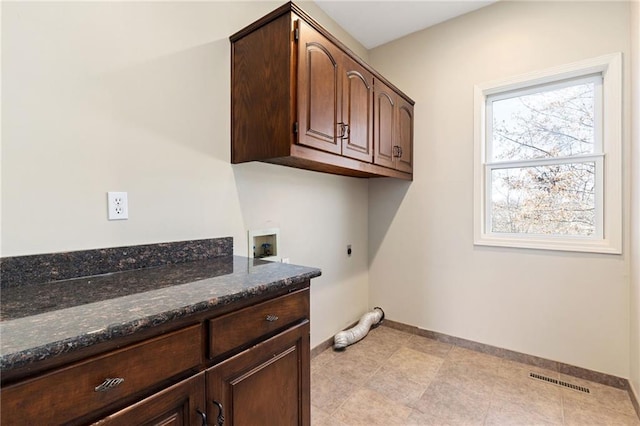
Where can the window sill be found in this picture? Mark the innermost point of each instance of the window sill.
(560, 244)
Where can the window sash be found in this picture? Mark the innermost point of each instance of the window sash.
(529, 89)
(597, 159)
(596, 79)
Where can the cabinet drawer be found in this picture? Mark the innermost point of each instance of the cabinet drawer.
(177, 405)
(73, 392)
(246, 325)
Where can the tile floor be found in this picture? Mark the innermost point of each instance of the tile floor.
(396, 378)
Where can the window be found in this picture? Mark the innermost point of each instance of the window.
(548, 159)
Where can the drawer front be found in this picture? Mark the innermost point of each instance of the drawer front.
(246, 325)
(73, 392)
(176, 405)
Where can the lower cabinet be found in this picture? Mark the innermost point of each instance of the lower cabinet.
(265, 385)
(180, 404)
(248, 367)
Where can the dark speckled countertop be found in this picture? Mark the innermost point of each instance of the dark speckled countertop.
(40, 321)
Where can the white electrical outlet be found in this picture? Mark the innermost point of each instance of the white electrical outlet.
(117, 205)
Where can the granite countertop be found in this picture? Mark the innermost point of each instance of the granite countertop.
(41, 321)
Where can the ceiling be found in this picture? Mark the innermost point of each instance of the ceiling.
(374, 23)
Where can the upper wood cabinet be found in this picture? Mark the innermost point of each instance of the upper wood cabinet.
(300, 98)
(393, 130)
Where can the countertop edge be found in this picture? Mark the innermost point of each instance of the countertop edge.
(51, 350)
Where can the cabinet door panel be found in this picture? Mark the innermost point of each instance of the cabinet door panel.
(318, 91)
(384, 128)
(265, 378)
(357, 111)
(261, 84)
(264, 385)
(404, 162)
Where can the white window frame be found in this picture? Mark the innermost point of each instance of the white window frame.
(608, 238)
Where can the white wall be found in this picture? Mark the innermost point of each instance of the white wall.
(424, 268)
(134, 96)
(634, 354)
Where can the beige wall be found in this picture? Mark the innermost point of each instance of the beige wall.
(635, 203)
(424, 269)
(135, 97)
(126, 96)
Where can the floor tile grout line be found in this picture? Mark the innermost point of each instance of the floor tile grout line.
(432, 380)
(333, 380)
(359, 386)
(564, 422)
(493, 397)
(425, 389)
(435, 374)
(349, 395)
(597, 400)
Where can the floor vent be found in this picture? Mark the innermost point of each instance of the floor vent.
(559, 382)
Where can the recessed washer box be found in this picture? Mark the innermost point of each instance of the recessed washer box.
(264, 244)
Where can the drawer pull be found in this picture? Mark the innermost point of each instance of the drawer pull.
(272, 318)
(203, 416)
(220, 419)
(109, 383)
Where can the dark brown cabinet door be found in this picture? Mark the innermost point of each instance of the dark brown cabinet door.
(357, 111)
(178, 405)
(318, 91)
(264, 385)
(384, 125)
(393, 129)
(404, 139)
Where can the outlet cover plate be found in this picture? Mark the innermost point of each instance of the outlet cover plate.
(118, 206)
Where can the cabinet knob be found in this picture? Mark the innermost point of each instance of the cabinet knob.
(109, 383)
(272, 318)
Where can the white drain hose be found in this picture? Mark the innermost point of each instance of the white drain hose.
(351, 336)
